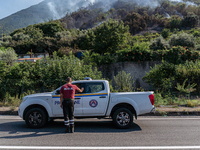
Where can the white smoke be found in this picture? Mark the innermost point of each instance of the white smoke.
(179, 14)
(53, 10)
(187, 2)
(69, 6)
(91, 1)
(151, 3)
(167, 15)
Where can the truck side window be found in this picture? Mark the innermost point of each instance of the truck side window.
(79, 85)
(94, 87)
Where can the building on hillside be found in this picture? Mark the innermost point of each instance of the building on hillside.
(28, 59)
(31, 57)
(35, 55)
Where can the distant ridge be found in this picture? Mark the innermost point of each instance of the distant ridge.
(57, 9)
(42, 12)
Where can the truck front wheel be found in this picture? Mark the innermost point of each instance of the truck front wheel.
(36, 118)
(123, 118)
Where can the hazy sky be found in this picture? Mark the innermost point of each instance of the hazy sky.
(8, 7)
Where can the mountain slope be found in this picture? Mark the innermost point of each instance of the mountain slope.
(44, 11)
(57, 9)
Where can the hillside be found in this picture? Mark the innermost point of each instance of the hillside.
(57, 9)
(139, 16)
(42, 12)
(106, 28)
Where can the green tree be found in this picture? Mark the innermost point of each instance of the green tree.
(50, 28)
(191, 20)
(9, 56)
(174, 22)
(34, 33)
(4, 69)
(110, 37)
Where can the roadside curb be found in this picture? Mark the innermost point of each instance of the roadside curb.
(174, 113)
(9, 113)
(157, 113)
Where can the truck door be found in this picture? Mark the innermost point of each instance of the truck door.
(56, 109)
(59, 111)
(95, 99)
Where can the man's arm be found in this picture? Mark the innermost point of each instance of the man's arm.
(61, 99)
(80, 90)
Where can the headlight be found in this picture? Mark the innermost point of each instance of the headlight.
(24, 99)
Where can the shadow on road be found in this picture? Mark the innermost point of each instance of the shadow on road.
(19, 129)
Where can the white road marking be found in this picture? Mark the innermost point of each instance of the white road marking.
(101, 148)
(169, 118)
(9, 117)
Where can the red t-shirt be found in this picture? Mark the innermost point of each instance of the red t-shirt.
(68, 90)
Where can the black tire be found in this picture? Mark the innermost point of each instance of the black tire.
(122, 118)
(36, 118)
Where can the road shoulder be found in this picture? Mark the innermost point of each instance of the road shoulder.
(160, 111)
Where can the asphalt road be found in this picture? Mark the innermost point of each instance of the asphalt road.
(146, 133)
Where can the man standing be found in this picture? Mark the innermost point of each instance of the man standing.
(67, 93)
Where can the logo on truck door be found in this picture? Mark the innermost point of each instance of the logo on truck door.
(93, 103)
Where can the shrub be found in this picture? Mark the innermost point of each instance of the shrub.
(7, 38)
(191, 20)
(198, 47)
(175, 22)
(165, 33)
(123, 82)
(1, 43)
(63, 35)
(47, 73)
(165, 75)
(192, 104)
(182, 39)
(159, 76)
(159, 44)
(176, 55)
(196, 33)
(20, 36)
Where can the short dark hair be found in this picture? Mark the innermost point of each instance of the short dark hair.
(69, 79)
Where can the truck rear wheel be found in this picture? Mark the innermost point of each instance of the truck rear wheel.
(123, 118)
(36, 118)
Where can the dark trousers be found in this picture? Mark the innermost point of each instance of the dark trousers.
(68, 111)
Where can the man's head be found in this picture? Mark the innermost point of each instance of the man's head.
(69, 80)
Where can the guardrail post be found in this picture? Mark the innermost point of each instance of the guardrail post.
(189, 88)
(150, 85)
(22, 87)
(5, 93)
(171, 89)
(43, 86)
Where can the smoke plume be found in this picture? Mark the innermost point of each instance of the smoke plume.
(59, 8)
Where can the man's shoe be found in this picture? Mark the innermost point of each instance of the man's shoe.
(71, 129)
(67, 129)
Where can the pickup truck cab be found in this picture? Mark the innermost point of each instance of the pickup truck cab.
(95, 101)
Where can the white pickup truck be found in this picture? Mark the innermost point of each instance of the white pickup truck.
(96, 101)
